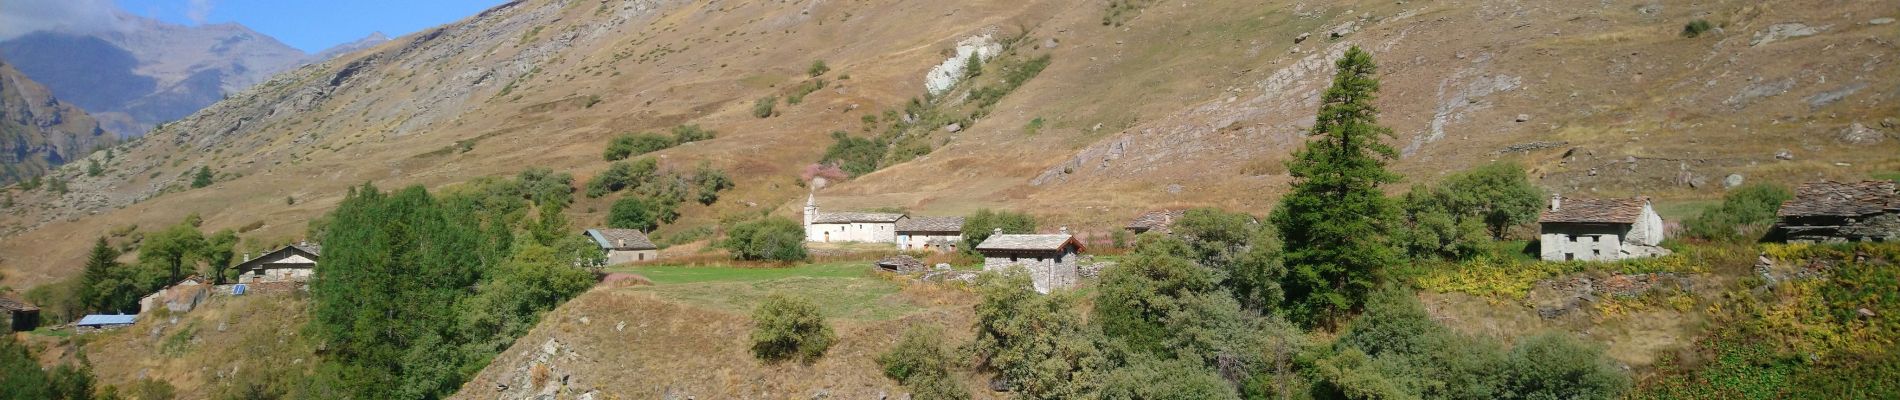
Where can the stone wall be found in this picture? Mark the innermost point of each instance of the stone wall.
(921, 241)
(1588, 242)
(627, 256)
(1049, 270)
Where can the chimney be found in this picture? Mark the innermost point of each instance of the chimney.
(623, 243)
(997, 231)
(1065, 230)
(247, 257)
(1556, 201)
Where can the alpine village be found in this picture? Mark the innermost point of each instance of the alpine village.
(912, 199)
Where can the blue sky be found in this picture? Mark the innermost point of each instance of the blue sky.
(313, 25)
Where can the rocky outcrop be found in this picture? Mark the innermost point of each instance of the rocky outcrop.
(39, 132)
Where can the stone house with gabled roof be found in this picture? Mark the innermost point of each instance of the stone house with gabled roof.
(623, 246)
(937, 234)
(1828, 211)
(866, 227)
(21, 316)
(291, 263)
(1155, 221)
(1050, 259)
(1599, 229)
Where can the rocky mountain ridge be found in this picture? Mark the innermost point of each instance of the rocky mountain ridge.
(39, 132)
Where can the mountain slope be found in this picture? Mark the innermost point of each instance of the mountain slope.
(1176, 104)
(144, 72)
(39, 132)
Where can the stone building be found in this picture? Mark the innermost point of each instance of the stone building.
(1156, 221)
(180, 297)
(20, 315)
(1830, 211)
(1050, 259)
(292, 263)
(624, 245)
(936, 234)
(1600, 229)
(867, 227)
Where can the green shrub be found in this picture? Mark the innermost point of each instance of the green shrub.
(1149, 378)
(634, 212)
(937, 387)
(710, 181)
(818, 67)
(1745, 211)
(627, 145)
(1038, 343)
(799, 93)
(202, 178)
(683, 134)
(856, 156)
(623, 175)
(771, 238)
(918, 352)
(93, 168)
(1034, 126)
(1696, 28)
(786, 328)
(763, 107)
(984, 222)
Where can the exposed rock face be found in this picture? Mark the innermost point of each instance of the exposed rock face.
(149, 71)
(1783, 31)
(1857, 134)
(38, 132)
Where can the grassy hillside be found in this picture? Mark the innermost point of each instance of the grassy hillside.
(1169, 105)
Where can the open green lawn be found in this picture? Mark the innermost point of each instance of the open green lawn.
(843, 290)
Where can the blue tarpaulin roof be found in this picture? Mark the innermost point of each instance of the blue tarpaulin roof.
(105, 319)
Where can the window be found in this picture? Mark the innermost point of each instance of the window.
(258, 272)
(1573, 239)
(1012, 258)
(1596, 252)
(1570, 256)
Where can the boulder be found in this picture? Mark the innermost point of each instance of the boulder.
(1731, 181)
(1858, 134)
(1523, 118)
(1784, 155)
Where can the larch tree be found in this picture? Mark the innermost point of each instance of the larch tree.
(1336, 223)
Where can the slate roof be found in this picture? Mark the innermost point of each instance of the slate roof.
(1589, 210)
(850, 217)
(7, 304)
(105, 319)
(314, 249)
(1841, 199)
(621, 239)
(930, 224)
(1157, 220)
(1027, 242)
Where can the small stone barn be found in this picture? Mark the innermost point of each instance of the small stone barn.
(1050, 259)
(181, 297)
(21, 317)
(292, 263)
(1600, 229)
(624, 245)
(938, 234)
(1155, 221)
(1829, 211)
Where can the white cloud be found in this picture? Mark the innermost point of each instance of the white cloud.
(198, 11)
(20, 17)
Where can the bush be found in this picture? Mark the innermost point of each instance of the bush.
(984, 222)
(691, 133)
(1696, 28)
(818, 67)
(799, 93)
(772, 238)
(1150, 378)
(202, 178)
(856, 156)
(1744, 211)
(919, 352)
(785, 328)
(710, 182)
(763, 107)
(1038, 343)
(623, 175)
(627, 145)
(634, 212)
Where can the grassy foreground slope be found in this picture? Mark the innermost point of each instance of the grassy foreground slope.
(686, 335)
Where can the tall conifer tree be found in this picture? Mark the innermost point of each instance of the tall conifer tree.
(1336, 222)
